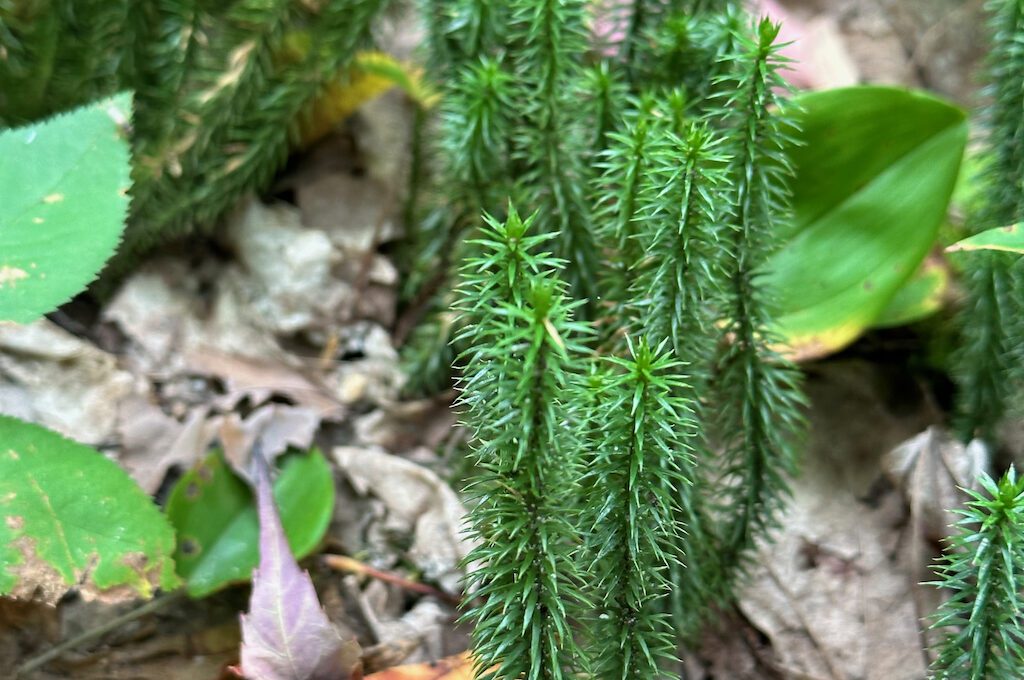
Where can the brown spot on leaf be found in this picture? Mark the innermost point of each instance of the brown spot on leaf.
(189, 547)
(14, 522)
(205, 472)
(34, 578)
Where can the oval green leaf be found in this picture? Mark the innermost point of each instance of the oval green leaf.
(919, 297)
(874, 173)
(214, 513)
(71, 517)
(63, 202)
(1007, 239)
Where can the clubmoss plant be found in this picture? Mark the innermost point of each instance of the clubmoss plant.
(757, 388)
(548, 69)
(983, 569)
(989, 365)
(661, 210)
(632, 512)
(517, 370)
(679, 294)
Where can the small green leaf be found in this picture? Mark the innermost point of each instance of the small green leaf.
(214, 513)
(69, 516)
(63, 201)
(920, 296)
(874, 174)
(1008, 239)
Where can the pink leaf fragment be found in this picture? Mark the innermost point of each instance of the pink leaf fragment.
(286, 635)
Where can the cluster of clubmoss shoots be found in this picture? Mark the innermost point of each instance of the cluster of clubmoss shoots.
(983, 568)
(989, 365)
(661, 206)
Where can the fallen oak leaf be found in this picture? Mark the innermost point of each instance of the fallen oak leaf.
(286, 635)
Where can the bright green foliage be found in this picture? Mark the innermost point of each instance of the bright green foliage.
(758, 396)
(685, 226)
(551, 39)
(606, 91)
(920, 296)
(70, 517)
(679, 293)
(476, 136)
(1009, 239)
(989, 362)
(214, 515)
(633, 517)
(516, 376)
(983, 567)
(63, 202)
(626, 162)
(874, 171)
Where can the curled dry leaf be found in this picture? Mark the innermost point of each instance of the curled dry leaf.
(418, 502)
(286, 635)
(928, 468)
(274, 427)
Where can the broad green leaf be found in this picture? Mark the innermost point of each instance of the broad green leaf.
(69, 516)
(214, 513)
(63, 201)
(920, 296)
(874, 174)
(1008, 239)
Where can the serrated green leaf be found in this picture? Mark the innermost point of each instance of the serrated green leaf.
(63, 202)
(69, 516)
(874, 174)
(214, 513)
(1008, 239)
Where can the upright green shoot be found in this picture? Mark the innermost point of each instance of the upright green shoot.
(989, 366)
(760, 398)
(640, 459)
(517, 371)
(983, 568)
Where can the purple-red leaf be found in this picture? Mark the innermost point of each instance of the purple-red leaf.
(286, 635)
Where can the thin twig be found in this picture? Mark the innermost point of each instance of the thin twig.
(343, 563)
(92, 634)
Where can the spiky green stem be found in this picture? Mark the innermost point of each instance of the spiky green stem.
(989, 364)
(983, 568)
(517, 368)
(640, 459)
(759, 392)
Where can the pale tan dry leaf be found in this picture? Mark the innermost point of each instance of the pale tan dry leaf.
(275, 426)
(418, 503)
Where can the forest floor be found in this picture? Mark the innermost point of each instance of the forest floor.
(287, 327)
